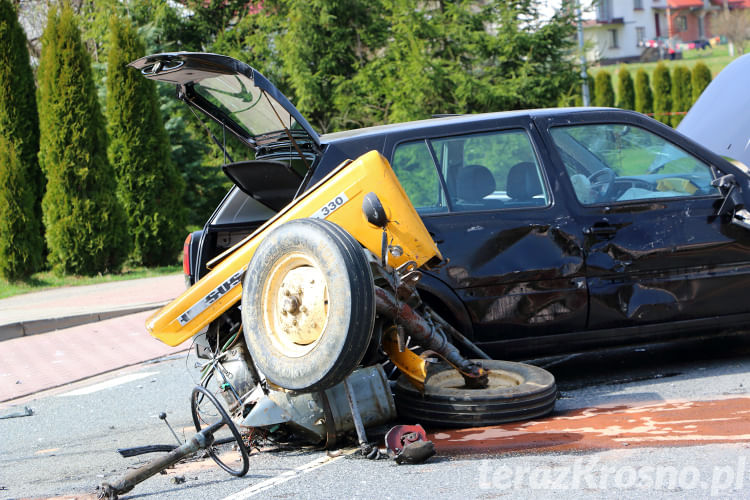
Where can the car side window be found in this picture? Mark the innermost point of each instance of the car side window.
(485, 171)
(608, 163)
(413, 165)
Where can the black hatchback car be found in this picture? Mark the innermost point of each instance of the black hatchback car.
(562, 229)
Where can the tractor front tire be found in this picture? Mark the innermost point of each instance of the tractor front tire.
(308, 305)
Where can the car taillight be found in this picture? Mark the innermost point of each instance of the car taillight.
(186, 255)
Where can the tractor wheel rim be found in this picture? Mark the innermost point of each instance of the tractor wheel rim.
(452, 379)
(295, 304)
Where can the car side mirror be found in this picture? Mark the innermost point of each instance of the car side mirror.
(729, 188)
(374, 211)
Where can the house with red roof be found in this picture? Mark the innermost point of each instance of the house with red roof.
(631, 30)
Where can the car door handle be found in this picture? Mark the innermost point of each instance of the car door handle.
(601, 230)
(436, 237)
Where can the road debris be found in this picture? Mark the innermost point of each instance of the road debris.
(408, 444)
(26, 412)
(202, 440)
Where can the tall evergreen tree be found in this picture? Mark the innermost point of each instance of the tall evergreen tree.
(84, 222)
(148, 185)
(605, 94)
(662, 93)
(20, 235)
(21, 180)
(682, 92)
(644, 97)
(625, 89)
(699, 79)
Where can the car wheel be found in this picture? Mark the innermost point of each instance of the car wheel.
(516, 391)
(308, 305)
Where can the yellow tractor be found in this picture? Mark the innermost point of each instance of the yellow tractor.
(326, 289)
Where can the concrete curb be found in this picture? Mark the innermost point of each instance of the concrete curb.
(26, 328)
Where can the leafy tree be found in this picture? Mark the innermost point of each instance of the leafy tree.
(448, 62)
(308, 47)
(165, 27)
(644, 97)
(573, 97)
(210, 18)
(699, 79)
(625, 89)
(148, 185)
(85, 224)
(662, 93)
(735, 25)
(682, 92)
(605, 94)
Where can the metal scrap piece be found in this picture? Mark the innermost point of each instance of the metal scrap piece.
(408, 444)
(26, 412)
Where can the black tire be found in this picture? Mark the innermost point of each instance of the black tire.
(325, 345)
(516, 391)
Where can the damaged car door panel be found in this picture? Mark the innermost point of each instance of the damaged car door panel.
(659, 258)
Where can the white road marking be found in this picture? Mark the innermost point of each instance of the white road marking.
(107, 384)
(286, 476)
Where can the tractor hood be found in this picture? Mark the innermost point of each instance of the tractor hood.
(235, 95)
(719, 119)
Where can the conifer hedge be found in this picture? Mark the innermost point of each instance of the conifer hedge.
(662, 93)
(85, 225)
(20, 234)
(21, 180)
(592, 91)
(148, 184)
(625, 89)
(605, 94)
(644, 97)
(700, 78)
(682, 92)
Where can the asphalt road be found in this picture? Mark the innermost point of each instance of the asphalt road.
(662, 422)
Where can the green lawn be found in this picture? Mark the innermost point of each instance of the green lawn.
(45, 280)
(715, 58)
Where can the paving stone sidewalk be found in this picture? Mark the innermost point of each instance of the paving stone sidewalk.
(59, 308)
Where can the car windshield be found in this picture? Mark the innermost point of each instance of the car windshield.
(247, 105)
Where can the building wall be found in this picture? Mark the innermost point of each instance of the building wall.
(627, 21)
(691, 18)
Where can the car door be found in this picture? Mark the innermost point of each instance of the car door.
(656, 251)
(511, 252)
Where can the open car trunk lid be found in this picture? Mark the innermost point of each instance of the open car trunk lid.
(233, 94)
(245, 103)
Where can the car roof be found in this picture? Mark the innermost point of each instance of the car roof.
(451, 120)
